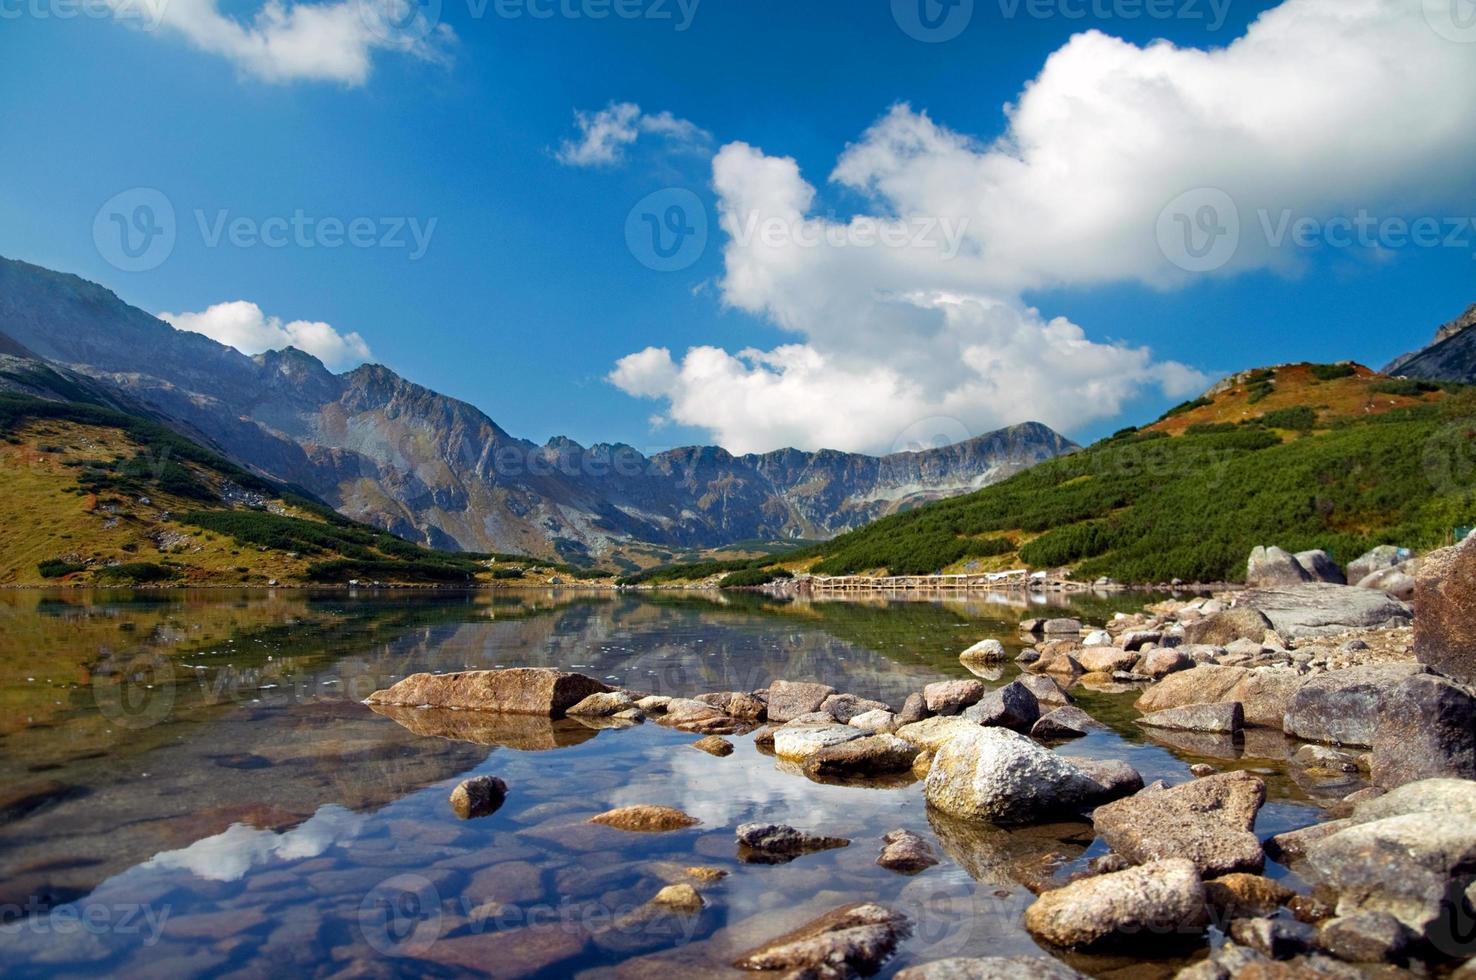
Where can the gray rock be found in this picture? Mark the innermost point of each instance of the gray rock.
(1292, 845)
(1226, 717)
(789, 699)
(874, 755)
(854, 940)
(1370, 937)
(906, 853)
(1162, 897)
(1207, 821)
(1320, 567)
(1426, 728)
(1111, 779)
(992, 968)
(1299, 612)
(874, 721)
(844, 707)
(1445, 594)
(799, 742)
(1341, 707)
(774, 843)
(1223, 628)
(998, 775)
(952, 697)
(1395, 582)
(985, 652)
(915, 708)
(1065, 722)
(1456, 798)
(1272, 568)
(602, 705)
(1384, 557)
(1045, 689)
(1279, 939)
(1324, 758)
(1011, 706)
(1057, 627)
(931, 734)
(1264, 693)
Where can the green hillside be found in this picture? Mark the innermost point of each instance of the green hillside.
(1339, 459)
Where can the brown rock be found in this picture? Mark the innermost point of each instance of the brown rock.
(1240, 895)
(844, 707)
(1227, 717)
(645, 818)
(714, 745)
(790, 699)
(875, 755)
(952, 697)
(506, 954)
(518, 690)
(1205, 684)
(848, 941)
(1106, 659)
(679, 898)
(1426, 728)
(776, 843)
(479, 796)
(1159, 897)
(1207, 821)
(1445, 604)
(906, 853)
(1224, 628)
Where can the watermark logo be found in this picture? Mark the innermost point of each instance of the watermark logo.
(400, 21)
(139, 694)
(933, 21)
(401, 916)
(936, 432)
(1213, 13)
(134, 231)
(145, 14)
(1199, 231)
(667, 231)
(1450, 458)
(1454, 20)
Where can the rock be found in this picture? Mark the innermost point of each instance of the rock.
(1057, 627)
(1011, 706)
(799, 742)
(931, 734)
(1309, 909)
(1273, 568)
(985, 652)
(704, 874)
(1238, 895)
(951, 697)
(714, 745)
(1320, 567)
(602, 705)
(479, 796)
(1105, 659)
(1045, 689)
(1226, 717)
(1066, 722)
(1280, 939)
(1318, 609)
(1205, 684)
(874, 755)
(1385, 556)
(914, 709)
(681, 898)
(1394, 582)
(645, 818)
(1032, 627)
(1324, 759)
(1370, 937)
(1224, 628)
(775, 843)
(1111, 779)
(906, 853)
(789, 699)
(1453, 797)
(992, 968)
(1445, 595)
(922, 764)
(1159, 897)
(738, 704)
(875, 721)
(518, 690)
(1426, 728)
(1207, 821)
(1098, 638)
(653, 704)
(844, 707)
(1341, 707)
(1201, 769)
(1264, 693)
(998, 775)
(763, 739)
(1292, 845)
(1159, 663)
(854, 940)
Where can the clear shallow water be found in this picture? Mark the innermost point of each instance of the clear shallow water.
(191, 787)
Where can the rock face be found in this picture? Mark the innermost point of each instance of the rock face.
(1270, 568)
(998, 775)
(1445, 595)
(646, 818)
(519, 690)
(854, 940)
(1227, 717)
(790, 699)
(1451, 356)
(479, 796)
(1161, 897)
(1341, 707)
(1426, 728)
(1207, 821)
(1299, 612)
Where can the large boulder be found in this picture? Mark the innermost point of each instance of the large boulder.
(1224, 628)
(1207, 821)
(1161, 897)
(790, 699)
(875, 755)
(1270, 568)
(1384, 557)
(799, 742)
(1264, 693)
(952, 697)
(931, 734)
(1321, 567)
(518, 690)
(1001, 776)
(1318, 609)
(1011, 706)
(1341, 707)
(1205, 684)
(1426, 728)
(1445, 595)
(1225, 717)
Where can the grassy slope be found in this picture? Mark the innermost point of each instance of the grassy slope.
(1300, 456)
(88, 494)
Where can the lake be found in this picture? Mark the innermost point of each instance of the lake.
(191, 786)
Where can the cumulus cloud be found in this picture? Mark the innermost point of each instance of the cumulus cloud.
(913, 309)
(244, 326)
(289, 42)
(605, 135)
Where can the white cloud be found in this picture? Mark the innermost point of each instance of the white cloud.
(604, 136)
(289, 42)
(244, 326)
(1323, 107)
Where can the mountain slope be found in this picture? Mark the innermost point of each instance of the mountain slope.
(1451, 356)
(438, 471)
(1341, 459)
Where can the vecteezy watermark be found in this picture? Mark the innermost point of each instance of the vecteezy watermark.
(136, 693)
(137, 230)
(1454, 20)
(145, 14)
(400, 21)
(935, 432)
(933, 21)
(667, 230)
(944, 235)
(412, 20)
(1213, 12)
(401, 916)
(1199, 231)
(86, 917)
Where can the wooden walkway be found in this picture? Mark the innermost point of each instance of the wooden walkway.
(942, 584)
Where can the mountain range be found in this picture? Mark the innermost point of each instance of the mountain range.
(438, 471)
(1451, 356)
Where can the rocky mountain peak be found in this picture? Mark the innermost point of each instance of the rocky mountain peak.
(1460, 324)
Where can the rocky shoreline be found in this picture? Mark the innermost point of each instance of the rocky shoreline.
(1365, 684)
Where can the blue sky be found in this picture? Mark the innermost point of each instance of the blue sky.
(528, 294)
